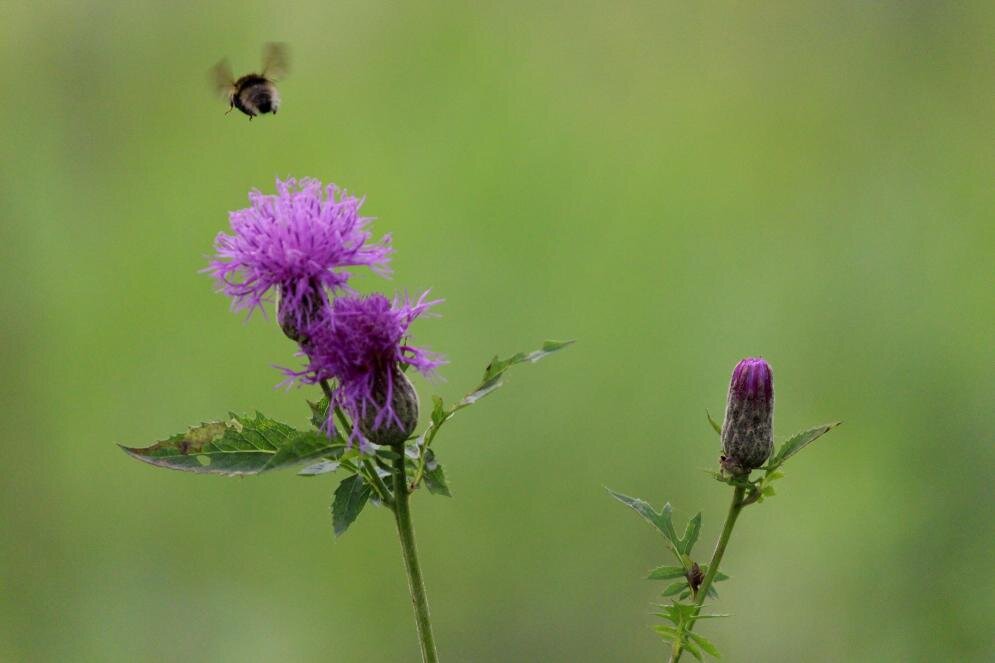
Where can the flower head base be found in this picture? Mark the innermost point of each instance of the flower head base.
(360, 346)
(297, 241)
(747, 433)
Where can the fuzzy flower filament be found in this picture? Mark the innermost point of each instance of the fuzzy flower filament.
(298, 242)
(361, 348)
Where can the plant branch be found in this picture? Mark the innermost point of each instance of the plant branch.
(737, 505)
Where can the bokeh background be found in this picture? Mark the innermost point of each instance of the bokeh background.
(675, 186)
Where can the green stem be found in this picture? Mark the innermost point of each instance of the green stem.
(713, 566)
(406, 533)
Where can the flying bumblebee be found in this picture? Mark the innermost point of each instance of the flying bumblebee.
(253, 94)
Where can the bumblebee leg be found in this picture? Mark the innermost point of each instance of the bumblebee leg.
(231, 107)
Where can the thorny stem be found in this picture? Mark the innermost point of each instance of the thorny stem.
(406, 533)
(713, 566)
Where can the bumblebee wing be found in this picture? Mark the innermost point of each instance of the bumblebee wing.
(276, 60)
(221, 79)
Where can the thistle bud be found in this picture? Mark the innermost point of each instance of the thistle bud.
(748, 432)
(392, 416)
(297, 313)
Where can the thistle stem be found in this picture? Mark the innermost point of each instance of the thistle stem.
(737, 505)
(406, 533)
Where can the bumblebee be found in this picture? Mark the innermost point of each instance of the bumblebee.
(253, 94)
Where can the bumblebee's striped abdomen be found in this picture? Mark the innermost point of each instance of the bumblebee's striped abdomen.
(255, 95)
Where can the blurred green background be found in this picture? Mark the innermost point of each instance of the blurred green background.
(675, 186)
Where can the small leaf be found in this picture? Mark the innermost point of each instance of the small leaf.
(350, 498)
(319, 413)
(716, 426)
(669, 633)
(675, 588)
(707, 646)
(240, 446)
(685, 594)
(666, 573)
(691, 534)
(768, 491)
(439, 413)
(496, 368)
(691, 647)
(435, 481)
(799, 442)
(712, 592)
(661, 520)
(324, 467)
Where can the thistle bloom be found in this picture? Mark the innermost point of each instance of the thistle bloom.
(298, 242)
(361, 347)
(747, 433)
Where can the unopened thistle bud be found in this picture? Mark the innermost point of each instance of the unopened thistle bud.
(748, 432)
(393, 393)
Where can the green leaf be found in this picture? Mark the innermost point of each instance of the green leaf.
(435, 481)
(350, 498)
(439, 413)
(319, 413)
(661, 520)
(496, 368)
(707, 646)
(666, 573)
(691, 533)
(240, 446)
(691, 647)
(675, 588)
(324, 467)
(716, 426)
(799, 442)
(669, 633)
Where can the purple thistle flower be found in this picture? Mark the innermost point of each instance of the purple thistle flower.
(361, 346)
(297, 241)
(748, 430)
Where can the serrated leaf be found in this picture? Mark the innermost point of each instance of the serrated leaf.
(799, 442)
(661, 520)
(496, 368)
(435, 481)
(716, 426)
(706, 646)
(691, 533)
(240, 446)
(666, 573)
(350, 498)
(324, 467)
(675, 588)
(712, 592)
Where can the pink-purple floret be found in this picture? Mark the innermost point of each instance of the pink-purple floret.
(362, 342)
(753, 379)
(298, 240)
